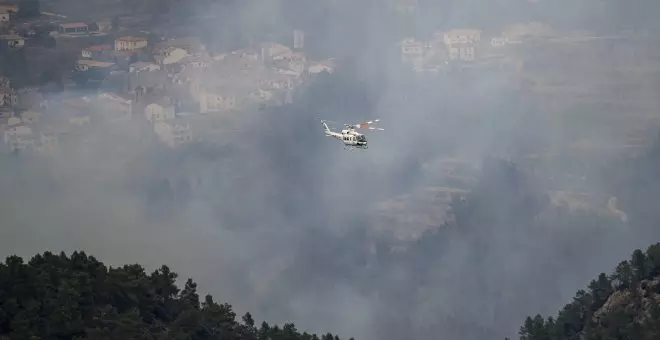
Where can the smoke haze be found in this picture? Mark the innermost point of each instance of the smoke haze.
(281, 222)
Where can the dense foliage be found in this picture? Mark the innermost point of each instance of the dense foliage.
(623, 305)
(78, 297)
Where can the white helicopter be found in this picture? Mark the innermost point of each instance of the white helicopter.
(351, 138)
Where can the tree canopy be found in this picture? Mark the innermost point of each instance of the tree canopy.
(622, 305)
(78, 297)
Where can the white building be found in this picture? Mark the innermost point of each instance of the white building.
(462, 36)
(12, 41)
(499, 41)
(462, 44)
(464, 52)
(412, 51)
(217, 101)
(294, 62)
(321, 66)
(170, 55)
(4, 17)
(117, 107)
(48, 144)
(173, 134)
(143, 66)
(93, 51)
(130, 43)
(270, 50)
(423, 56)
(87, 64)
(8, 97)
(159, 111)
(18, 137)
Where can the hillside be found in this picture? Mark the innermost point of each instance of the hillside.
(623, 305)
(78, 297)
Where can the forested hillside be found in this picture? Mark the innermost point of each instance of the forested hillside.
(623, 305)
(78, 297)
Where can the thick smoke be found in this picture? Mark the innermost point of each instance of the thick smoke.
(280, 222)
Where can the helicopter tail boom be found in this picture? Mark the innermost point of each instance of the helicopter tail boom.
(326, 129)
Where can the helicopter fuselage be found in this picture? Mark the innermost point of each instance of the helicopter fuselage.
(350, 138)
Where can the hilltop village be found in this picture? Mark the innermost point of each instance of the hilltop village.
(119, 73)
(60, 75)
(158, 82)
(172, 83)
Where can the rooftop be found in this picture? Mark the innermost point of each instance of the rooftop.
(245, 51)
(95, 63)
(124, 53)
(290, 54)
(73, 25)
(410, 42)
(157, 99)
(20, 128)
(186, 43)
(327, 62)
(98, 48)
(4, 8)
(10, 37)
(196, 58)
(270, 44)
(116, 97)
(462, 44)
(131, 38)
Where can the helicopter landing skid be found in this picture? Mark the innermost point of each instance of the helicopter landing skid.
(351, 148)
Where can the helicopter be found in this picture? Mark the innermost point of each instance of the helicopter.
(351, 138)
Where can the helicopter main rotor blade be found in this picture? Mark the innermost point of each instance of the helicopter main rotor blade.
(364, 125)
